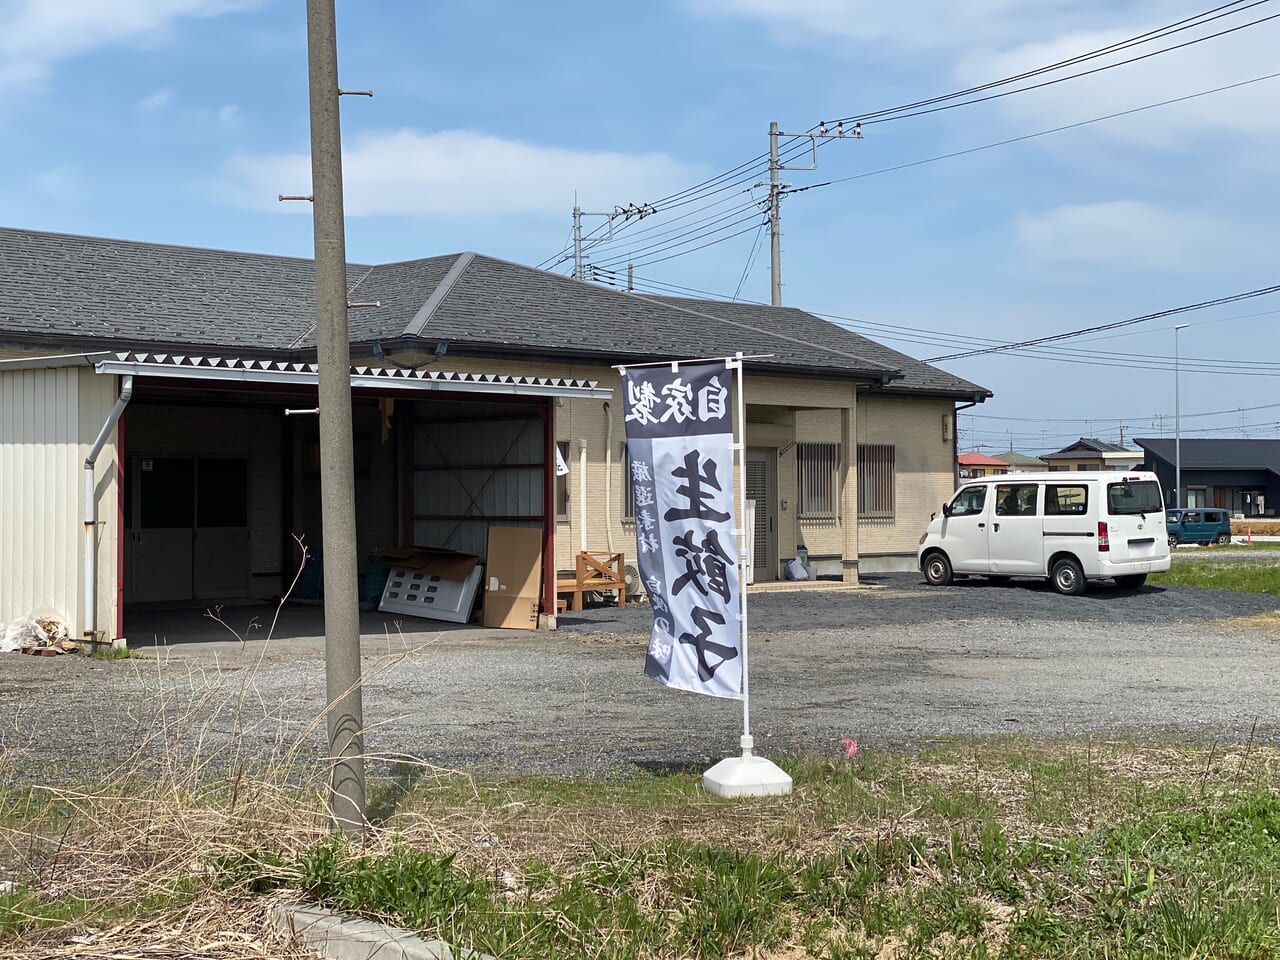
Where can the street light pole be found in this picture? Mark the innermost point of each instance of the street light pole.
(1177, 420)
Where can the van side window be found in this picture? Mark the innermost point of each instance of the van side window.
(969, 501)
(1062, 499)
(1016, 499)
(1191, 518)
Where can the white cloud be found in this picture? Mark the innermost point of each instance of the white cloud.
(1190, 126)
(228, 113)
(463, 173)
(911, 25)
(35, 34)
(1128, 234)
(155, 101)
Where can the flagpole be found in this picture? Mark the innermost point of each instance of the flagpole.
(740, 450)
(747, 775)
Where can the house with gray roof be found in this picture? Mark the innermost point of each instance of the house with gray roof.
(1228, 473)
(484, 393)
(1090, 453)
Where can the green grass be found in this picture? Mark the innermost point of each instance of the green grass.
(1003, 848)
(1245, 575)
(977, 848)
(113, 653)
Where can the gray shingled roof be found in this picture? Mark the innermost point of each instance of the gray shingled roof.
(1015, 459)
(111, 293)
(799, 325)
(1225, 454)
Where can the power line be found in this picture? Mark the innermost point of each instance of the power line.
(1234, 298)
(1032, 136)
(938, 104)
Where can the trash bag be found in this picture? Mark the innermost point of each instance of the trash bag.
(796, 570)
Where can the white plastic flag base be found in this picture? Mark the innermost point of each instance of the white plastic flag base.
(746, 776)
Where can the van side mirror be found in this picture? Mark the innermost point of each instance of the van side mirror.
(946, 509)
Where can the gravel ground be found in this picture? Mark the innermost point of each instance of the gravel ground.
(897, 666)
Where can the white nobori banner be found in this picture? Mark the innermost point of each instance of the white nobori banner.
(679, 421)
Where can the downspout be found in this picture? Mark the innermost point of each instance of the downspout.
(582, 494)
(91, 510)
(955, 442)
(608, 477)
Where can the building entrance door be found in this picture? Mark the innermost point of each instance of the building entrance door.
(186, 528)
(762, 488)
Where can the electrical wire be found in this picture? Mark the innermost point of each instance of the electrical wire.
(1234, 298)
(938, 104)
(751, 259)
(1032, 136)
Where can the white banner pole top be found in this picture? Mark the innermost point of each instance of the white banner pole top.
(675, 364)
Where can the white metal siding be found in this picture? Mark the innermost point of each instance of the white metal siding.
(48, 418)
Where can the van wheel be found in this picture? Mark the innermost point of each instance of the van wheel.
(1224, 539)
(1067, 577)
(1132, 582)
(937, 569)
(1173, 540)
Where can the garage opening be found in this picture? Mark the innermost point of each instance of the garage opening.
(218, 484)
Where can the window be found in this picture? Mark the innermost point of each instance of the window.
(1054, 469)
(1197, 496)
(628, 491)
(876, 479)
(1140, 496)
(969, 501)
(562, 480)
(1062, 499)
(1016, 499)
(816, 465)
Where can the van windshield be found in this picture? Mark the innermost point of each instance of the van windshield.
(1137, 496)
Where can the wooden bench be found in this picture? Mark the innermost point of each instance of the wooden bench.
(595, 572)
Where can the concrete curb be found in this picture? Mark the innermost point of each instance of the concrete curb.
(332, 936)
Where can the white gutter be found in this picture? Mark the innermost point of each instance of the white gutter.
(582, 493)
(608, 477)
(91, 511)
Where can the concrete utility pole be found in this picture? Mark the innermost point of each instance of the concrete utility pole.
(618, 213)
(337, 473)
(776, 187)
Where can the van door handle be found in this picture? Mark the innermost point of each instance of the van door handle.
(995, 527)
(981, 526)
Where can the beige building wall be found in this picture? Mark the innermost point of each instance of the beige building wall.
(48, 421)
(924, 459)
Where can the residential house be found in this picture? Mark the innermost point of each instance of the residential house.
(970, 465)
(190, 374)
(1234, 474)
(1021, 463)
(1090, 453)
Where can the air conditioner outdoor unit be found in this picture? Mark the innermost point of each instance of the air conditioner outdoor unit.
(635, 585)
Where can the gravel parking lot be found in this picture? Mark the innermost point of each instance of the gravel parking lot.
(897, 665)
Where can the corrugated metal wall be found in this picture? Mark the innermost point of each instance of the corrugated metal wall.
(48, 419)
(470, 474)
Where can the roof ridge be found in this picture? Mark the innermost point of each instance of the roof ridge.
(429, 306)
(61, 235)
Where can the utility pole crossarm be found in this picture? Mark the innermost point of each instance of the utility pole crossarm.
(776, 188)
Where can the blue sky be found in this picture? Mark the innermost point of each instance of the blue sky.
(180, 121)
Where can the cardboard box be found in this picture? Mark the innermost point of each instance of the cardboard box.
(513, 583)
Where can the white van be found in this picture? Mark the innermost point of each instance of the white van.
(1071, 527)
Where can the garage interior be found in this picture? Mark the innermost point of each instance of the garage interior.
(219, 483)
